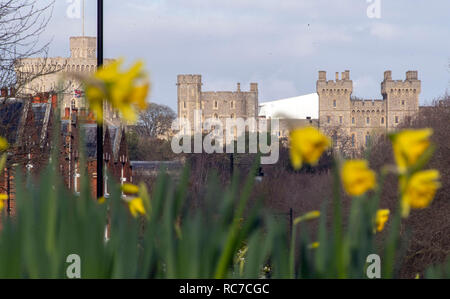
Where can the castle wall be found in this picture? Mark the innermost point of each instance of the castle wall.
(362, 120)
(214, 104)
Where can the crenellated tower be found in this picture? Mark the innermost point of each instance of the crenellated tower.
(189, 95)
(334, 99)
(402, 97)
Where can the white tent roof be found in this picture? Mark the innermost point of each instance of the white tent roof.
(299, 107)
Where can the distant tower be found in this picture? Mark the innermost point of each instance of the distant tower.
(402, 97)
(83, 47)
(189, 96)
(334, 100)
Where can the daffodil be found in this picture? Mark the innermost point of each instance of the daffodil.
(409, 145)
(307, 145)
(128, 188)
(357, 177)
(126, 91)
(136, 206)
(308, 216)
(3, 144)
(314, 245)
(418, 191)
(3, 197)
(101, 200)
(381, 218)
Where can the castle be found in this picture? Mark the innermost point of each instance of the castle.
(214, 104)
(360, 120)
(340, 115)
(46, 77)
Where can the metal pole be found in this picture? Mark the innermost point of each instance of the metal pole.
(100, 126)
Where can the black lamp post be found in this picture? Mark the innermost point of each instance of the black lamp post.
(100, 126)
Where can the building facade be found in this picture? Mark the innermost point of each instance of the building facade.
(28, 125)
(360, 120)
(214, 104)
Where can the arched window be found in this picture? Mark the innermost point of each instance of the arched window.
(232, 105)
(368, 120)
(334, 103)
(216, 105)
(367, 139)
(216, 116)
(353, 120)
(353, 139)
(382, 120)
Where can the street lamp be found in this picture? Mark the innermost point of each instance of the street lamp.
(100, 126)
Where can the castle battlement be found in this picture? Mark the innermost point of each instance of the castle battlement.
(189, 79)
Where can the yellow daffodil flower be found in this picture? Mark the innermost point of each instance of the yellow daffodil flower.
(314, 245)
(3, 197)
(128, 188)
(3, 144)
(418, 192)
(101, 200)
(409, 145)
(308, 216)
(125, 91)
(307, 145)
(136, 206)
(357, 177)
(381, 218)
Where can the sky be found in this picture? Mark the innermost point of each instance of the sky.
(280, 44)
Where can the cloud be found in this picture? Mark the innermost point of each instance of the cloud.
(385, 31)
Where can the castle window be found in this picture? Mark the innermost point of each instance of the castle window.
(184, 105)
(403, 102)
(353, 139)
(216, 105)
(334, 103)
(232, 104)
(328, 119)
(367, 139)
(353, 120)
(340, 120)
(232, 115)
(368, 120)
(216, 116)
(382, 120)
(396, 119)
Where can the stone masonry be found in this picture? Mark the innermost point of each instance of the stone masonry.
(83, 59)
(362, 119)
(214, 104)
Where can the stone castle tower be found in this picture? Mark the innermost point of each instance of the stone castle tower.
(361, 119)
(214, 104)
(83, 59)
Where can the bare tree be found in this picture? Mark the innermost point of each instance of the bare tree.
(156, 121)
(21, 24)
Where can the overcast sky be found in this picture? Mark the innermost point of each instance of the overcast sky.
(280, 44)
